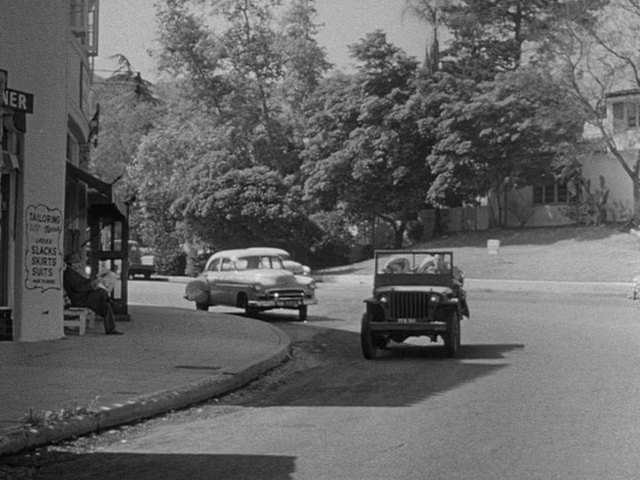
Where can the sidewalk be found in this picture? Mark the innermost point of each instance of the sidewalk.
(167, 358)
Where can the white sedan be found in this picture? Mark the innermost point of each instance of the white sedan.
(254, 279)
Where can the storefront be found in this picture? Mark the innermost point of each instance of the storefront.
(14, 107)
(48, 208)
(105, 231)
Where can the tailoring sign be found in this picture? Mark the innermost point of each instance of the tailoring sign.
(43, 255)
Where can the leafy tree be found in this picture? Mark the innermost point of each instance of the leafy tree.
(501, 121)
(490, 36)
(127, 110)
(241, 207)
(365, 151)
(304, 60)
(596, 57)
(430, 12)
(505, 134)
(254, 74)
(181, 141)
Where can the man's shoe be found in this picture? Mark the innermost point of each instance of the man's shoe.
(113, 332)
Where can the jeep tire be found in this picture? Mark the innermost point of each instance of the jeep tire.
(367, 340)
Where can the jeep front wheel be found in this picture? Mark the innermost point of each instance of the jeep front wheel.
(367, 341)
(452, 336)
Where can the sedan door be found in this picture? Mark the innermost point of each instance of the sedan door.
(215, 277)
(225, 288)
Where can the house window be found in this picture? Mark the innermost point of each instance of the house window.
(618, 116)
(550, 193)
(632, 115)
(83, 20)
(626, 115)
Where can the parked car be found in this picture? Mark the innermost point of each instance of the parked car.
(415, 293)
(290, 264)
(254, 279)
(140, 264)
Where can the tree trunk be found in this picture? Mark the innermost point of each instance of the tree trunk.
(399, 234)
(495, 206)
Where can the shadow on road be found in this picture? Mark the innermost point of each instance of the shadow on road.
(117, 466)
(403, 375)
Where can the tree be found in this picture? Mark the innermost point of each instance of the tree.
(181, 141)
(304, 60)
(254, 74)
(597, 56)
(500, 135)
(429, 11)
(127, 110)
(365, 151)
(489, 36)
(500, 120)
(242, 207)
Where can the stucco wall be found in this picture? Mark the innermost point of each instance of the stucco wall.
(34, 36)
(620, 203)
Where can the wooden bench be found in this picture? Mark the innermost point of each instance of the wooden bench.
(79, 319)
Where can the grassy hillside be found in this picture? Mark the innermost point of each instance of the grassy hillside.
(585, 254)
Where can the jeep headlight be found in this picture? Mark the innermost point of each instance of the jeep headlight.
(384, 299)
(434, 298)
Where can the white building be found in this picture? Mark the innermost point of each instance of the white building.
(45, 54)
(546, 203)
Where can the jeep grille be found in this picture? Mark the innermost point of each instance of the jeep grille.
(409, 305)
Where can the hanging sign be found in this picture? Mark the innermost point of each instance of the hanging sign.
(43, 255)
(17, 100)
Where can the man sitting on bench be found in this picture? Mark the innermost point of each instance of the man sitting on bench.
(83, 293)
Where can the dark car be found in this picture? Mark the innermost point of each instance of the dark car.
(140, 264)
(415, 293)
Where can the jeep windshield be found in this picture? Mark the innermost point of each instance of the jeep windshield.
(397, 262)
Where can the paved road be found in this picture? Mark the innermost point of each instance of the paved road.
(546, 387)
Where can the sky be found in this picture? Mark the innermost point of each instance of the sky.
(129, 27)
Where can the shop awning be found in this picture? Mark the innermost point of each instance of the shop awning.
(101, 201)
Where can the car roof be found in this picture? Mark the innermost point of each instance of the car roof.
(238, 252)
(268, 251)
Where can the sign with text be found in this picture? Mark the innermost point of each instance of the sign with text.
(18, 100)
(43, 255)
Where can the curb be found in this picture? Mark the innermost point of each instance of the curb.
(24, 437)
(480, 284)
